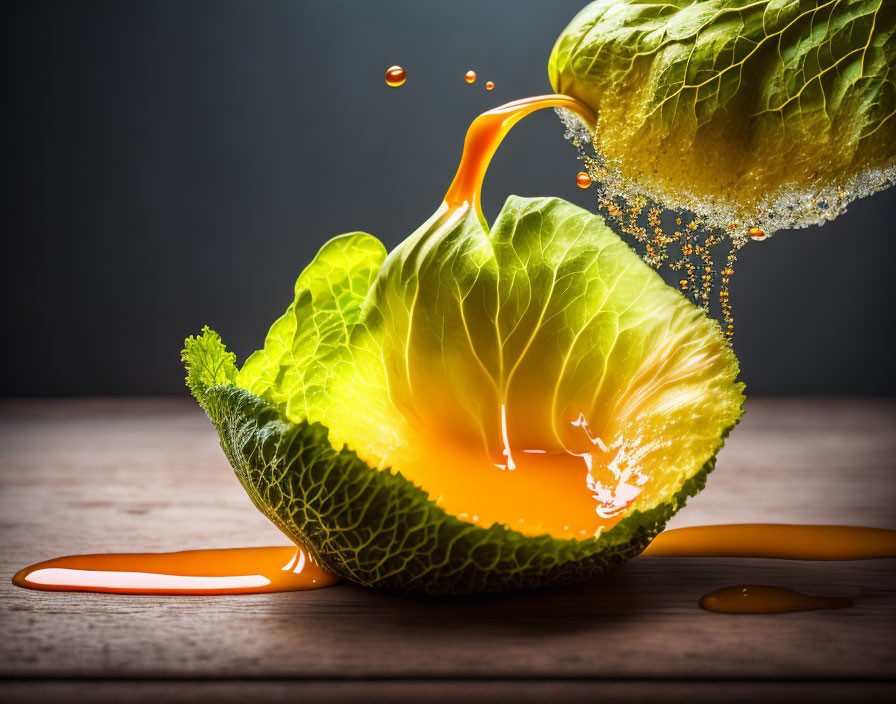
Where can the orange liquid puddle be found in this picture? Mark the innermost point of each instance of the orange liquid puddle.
(762, 599)
(544, 492)
(198, 572)
(776, 541)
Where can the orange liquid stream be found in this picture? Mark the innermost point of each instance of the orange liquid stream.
(777, 541)
(763, 599)
(230, 571)
(484, 136)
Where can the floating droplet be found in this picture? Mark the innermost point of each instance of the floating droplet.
(489, 86)
(395, 76)
(756, 233)
(470, 77)
(583, 180)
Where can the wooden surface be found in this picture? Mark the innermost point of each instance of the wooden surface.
(147, 475)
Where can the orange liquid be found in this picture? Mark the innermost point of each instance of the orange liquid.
(776, 541)
(470, 77)
(230, 571)
(583, 180)
(489, 86)
(484, 136)
(467, 484)
(278, 569)
(761, 599)
(395, 76)
(756, 233)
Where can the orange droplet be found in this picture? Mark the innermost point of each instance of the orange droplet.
(727, 272)
(490, 86)
(395, 76)
(583, 180)
(756, 233)
(470, 77)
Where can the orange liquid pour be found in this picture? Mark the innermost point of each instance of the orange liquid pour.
(762, 599)
(483, 138)
(199, 572)
(776, 541)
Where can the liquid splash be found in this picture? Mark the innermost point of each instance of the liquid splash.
(699, 239)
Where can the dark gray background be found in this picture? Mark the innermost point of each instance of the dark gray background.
(170, 164)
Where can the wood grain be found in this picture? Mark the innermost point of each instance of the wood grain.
(147, 475)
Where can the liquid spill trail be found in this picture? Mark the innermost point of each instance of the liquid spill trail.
(776, 541)
(277, 569)
(199, 572)
(763, 599)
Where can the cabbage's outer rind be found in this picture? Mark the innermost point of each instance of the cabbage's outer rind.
(736, 103)
(374, 527)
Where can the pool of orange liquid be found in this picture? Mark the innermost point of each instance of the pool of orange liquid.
(763, 599)
(201, 572)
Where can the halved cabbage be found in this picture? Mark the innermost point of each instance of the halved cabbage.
(478, 410)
